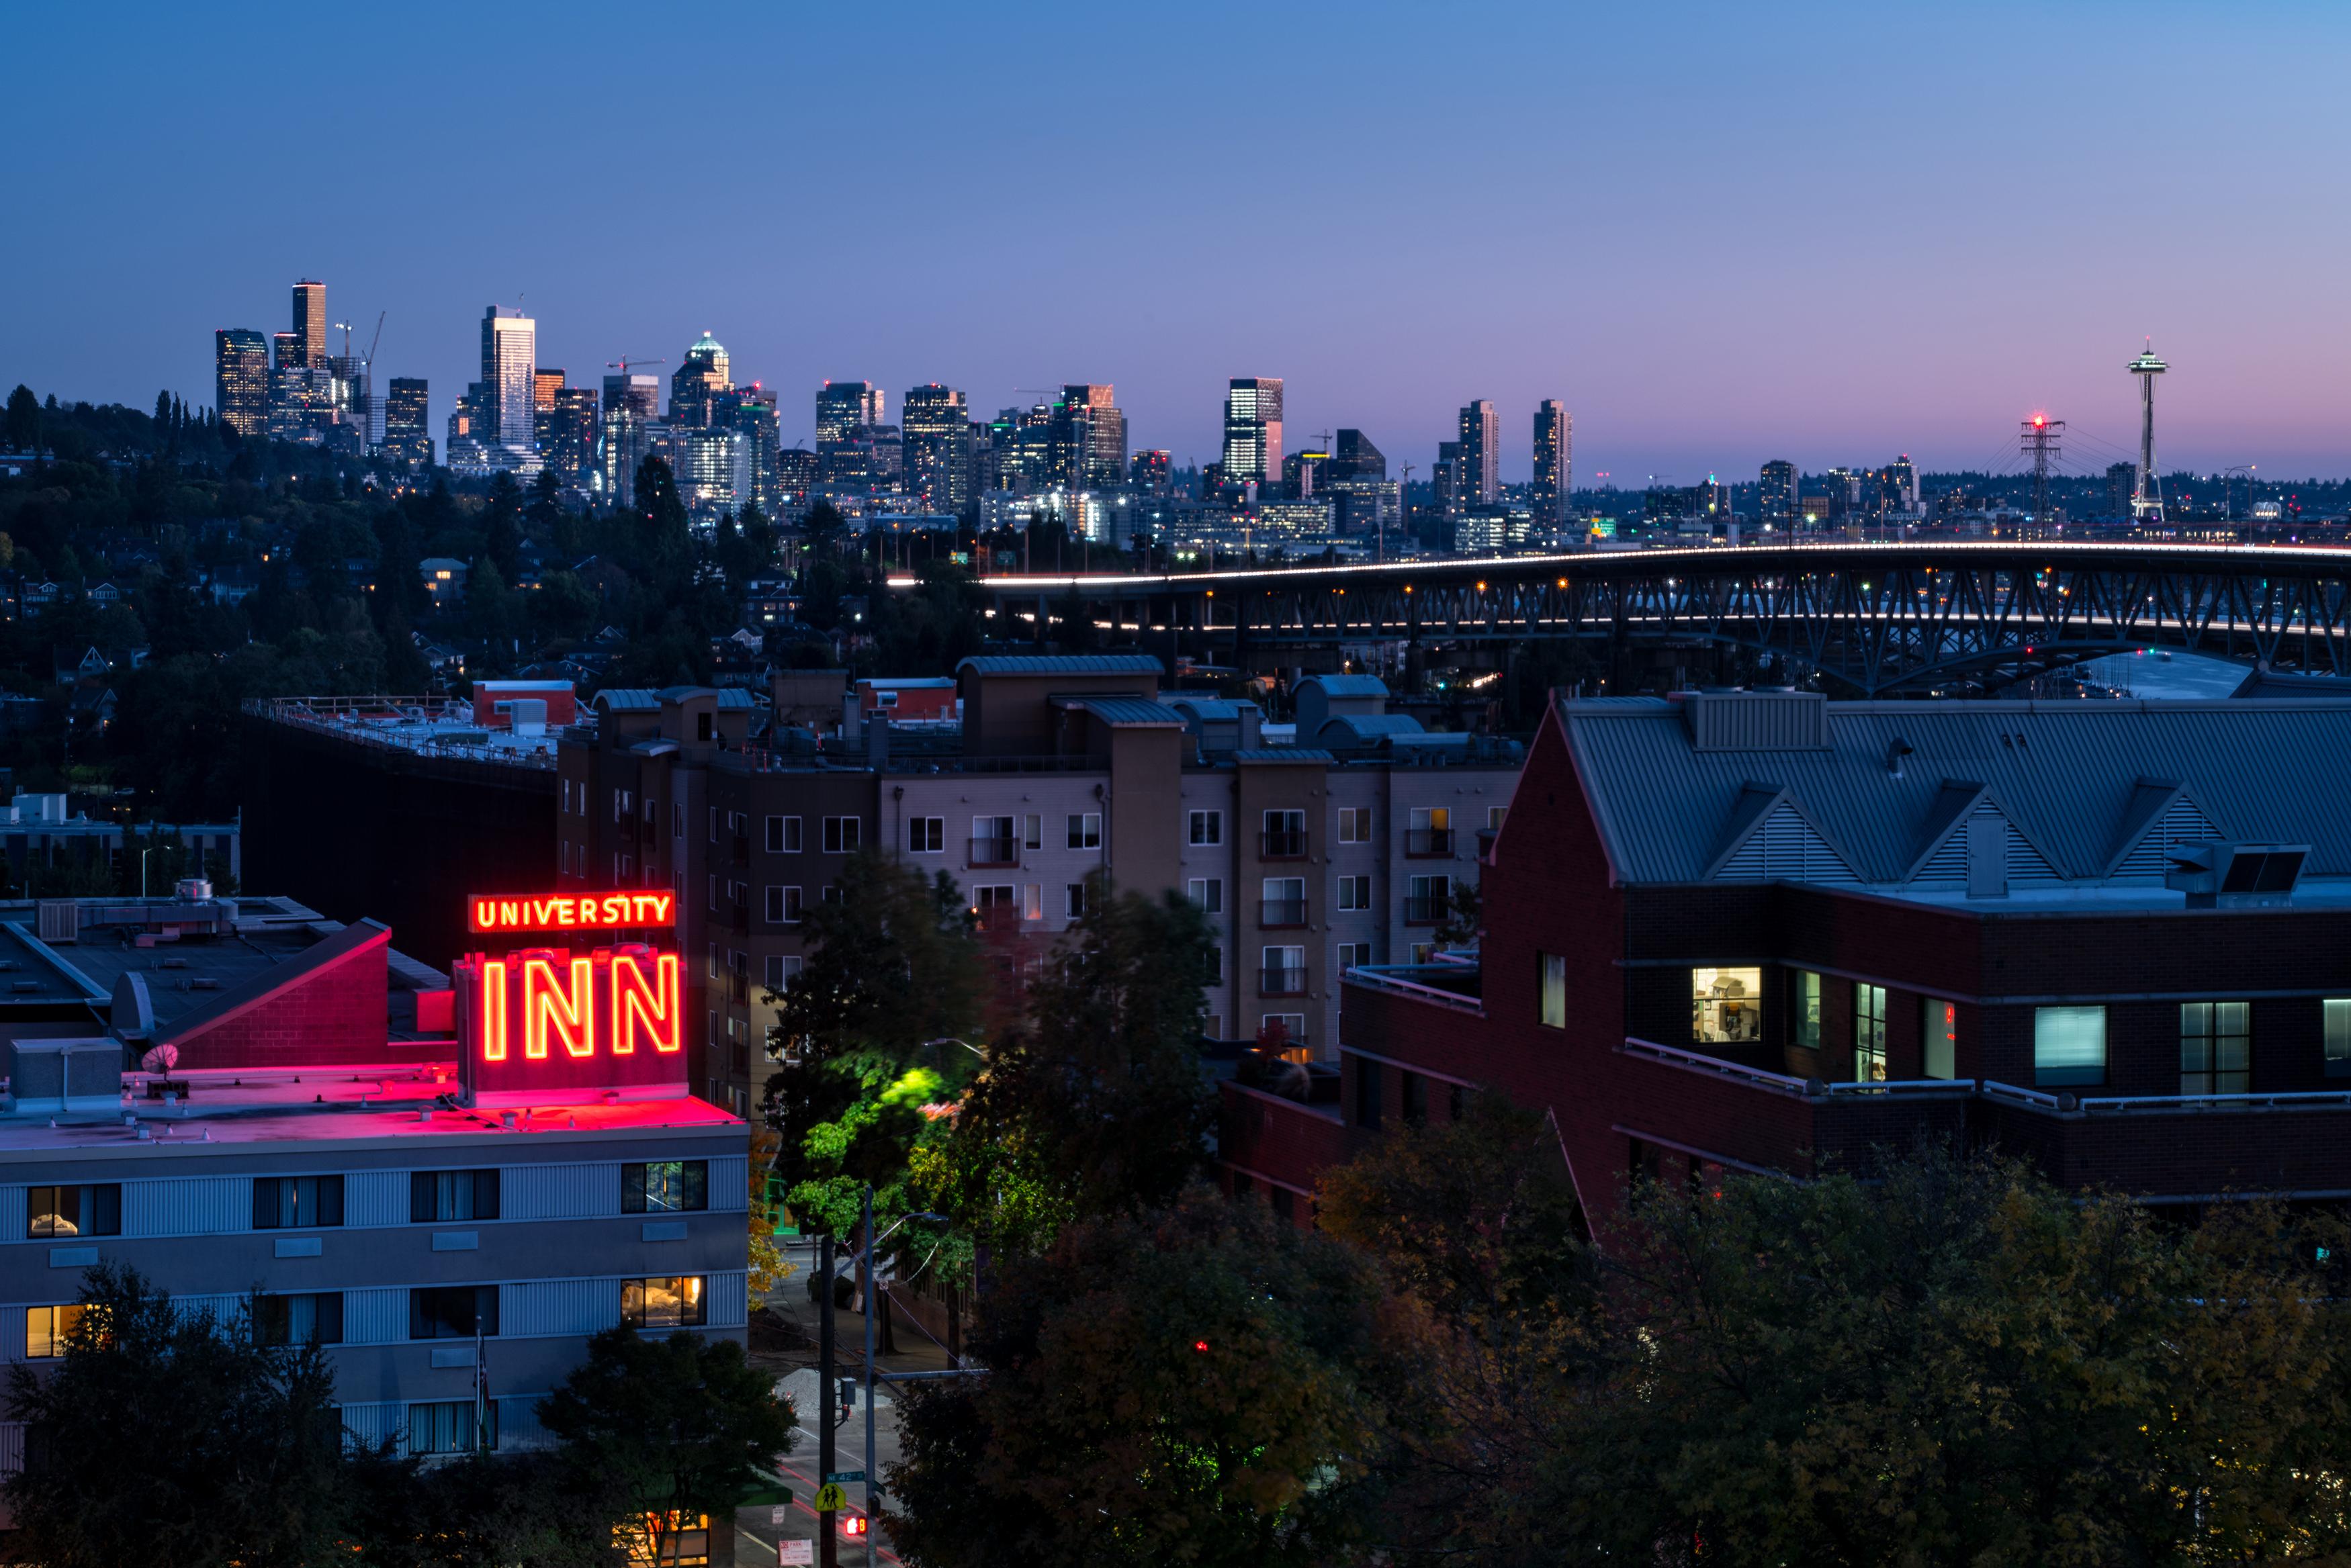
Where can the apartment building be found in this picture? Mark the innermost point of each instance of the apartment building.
(1760, 931)
(1307, 858)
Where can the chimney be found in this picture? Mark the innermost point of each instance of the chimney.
(877, 741)
(1251, 716)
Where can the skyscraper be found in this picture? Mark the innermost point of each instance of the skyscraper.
(751, 411)
(699, 377)
(241, 379)
(1147, 472)
(1352, 456)
(1253, 429)
(1444, 486)
(1481, 476)
(1902, 483)
(934, 427)
(570, 442)
(1554, 463)
(296, 395)
(1364, 500)
(1777, 493)
(509, 363)
(1088, 439)
(842, 409)
(311, 322)
(406, 432)
(632, 407)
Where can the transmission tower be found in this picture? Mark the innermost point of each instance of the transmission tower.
(2041, 438)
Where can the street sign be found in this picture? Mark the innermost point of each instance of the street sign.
(796, 1555)
(776, 1515)
(846, 1476)
(831, 1498)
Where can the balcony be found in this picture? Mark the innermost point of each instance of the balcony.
(1282, 844)
(1281, 983)
(1273, 914)
(995, 852)
(1428, 844)
(1427, 910)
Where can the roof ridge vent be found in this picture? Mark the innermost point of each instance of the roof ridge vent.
(1757, 721)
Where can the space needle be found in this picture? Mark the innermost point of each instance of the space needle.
(2147, 496)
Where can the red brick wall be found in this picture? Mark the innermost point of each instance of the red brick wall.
(333, 1015)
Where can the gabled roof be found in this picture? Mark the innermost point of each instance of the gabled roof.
(1126, 713)
(2068, 776)
(1349, 685)
(1757, 807)
(237, 999)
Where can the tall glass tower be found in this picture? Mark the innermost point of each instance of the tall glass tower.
(1253, 427)
(241, 378)
(1554, 461)
(509, 376)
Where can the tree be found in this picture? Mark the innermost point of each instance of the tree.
(502, 524)
(891, 968)
(659, 1434)
(1178, 1386)
(1093, 1103)
(475, 1510)
(1491, 1333)
(134, 1436)
(24, 419)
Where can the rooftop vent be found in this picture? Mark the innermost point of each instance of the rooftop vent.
(1757, 720)
(2235, 875)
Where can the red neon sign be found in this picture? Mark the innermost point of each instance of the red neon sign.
(569, 911)
(558, 1001)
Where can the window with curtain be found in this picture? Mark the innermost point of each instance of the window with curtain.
(1552, 968)
(1806, 1006)
(2069, 1046)
(2334, 1018)
(1939, 1037)
(2216, 1047)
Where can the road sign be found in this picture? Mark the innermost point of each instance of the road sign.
(846, 1476)
(831, 1498)
(796, 1554)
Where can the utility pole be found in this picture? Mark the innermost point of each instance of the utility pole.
(828, 1533)
(2041, 440)
(873, 1477)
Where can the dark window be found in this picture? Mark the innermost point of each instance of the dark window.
(1284, 1205)
(453, 1427)
(1457, 1102)
(90, 1209)
(1416, 1099)
(2216, 1047)
(1367, 1093)
(669, 1301)
(452, 1312)
(436, 1195)
(297, 1203)
(666, 1187)
(313, 1319)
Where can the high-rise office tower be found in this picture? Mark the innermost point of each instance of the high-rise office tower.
(639, 395)
(509, 367)
(352, 410)
(294, 398)
(751, 411)
(1445, 484)
(796, 478)
(1148, 471)
(1554, 463)
(698, 379)
(1087, 446)
(842, 407)
(544, 384)
(1777, 493)
(569, 442)
(1480, 479)
(241, 379)
(407, 438)
(1902, 483)
(934, 433)
(1364, 500)
(1352, 456)
(1253, 429)
(311, 322)
(624, 436)
(987, 474)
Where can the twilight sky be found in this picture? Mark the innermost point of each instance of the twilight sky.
(1722, 233)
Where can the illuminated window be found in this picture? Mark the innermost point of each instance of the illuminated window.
(1726, 1006)
(1552, 969)
(2216, 1047)
(1868, 1033)
(1940, 1038)
(666, 1187)
(1805, 1003)
(666, 1302)
(2334, 1017)
(46, 1329)
(86, 1211)
(2069, 1046)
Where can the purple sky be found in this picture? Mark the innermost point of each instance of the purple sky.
(1721, 233)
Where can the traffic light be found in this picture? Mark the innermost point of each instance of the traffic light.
(853, 1524)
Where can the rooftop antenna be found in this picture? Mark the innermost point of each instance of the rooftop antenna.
(2146, 495)
(2040, 441)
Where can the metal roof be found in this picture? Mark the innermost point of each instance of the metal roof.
(1285, 754)
(1211, 708)
(1371, 726)
(628, 699)
(2075, 778)
(1124, 712)
(1061, 664)
(1348, 685)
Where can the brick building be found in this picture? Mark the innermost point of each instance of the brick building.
(1309, 860)
(1756, 930)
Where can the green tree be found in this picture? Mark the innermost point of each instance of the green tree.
(502, 524)
(1094, 1101)
(658, 1434)
(1178, 1386)
(24, 419)
(891, 968)
(169, 1435)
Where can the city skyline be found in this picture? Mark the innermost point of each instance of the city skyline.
(1634, 253)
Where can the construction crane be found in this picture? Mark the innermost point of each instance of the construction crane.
(623, 362)
(378, 339)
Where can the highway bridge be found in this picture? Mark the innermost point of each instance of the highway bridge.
(1871, 619)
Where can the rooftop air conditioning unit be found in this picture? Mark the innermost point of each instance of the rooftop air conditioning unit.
(2236, 875)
